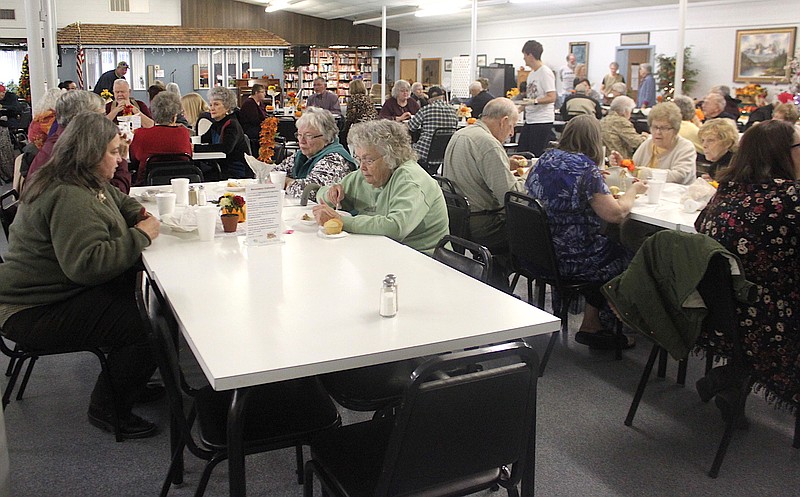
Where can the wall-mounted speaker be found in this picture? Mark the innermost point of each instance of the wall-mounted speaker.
(302, 55)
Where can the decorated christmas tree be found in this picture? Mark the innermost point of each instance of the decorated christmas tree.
(666, 73)
(25, 82)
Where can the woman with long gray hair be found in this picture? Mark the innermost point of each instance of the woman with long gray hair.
(68, 280)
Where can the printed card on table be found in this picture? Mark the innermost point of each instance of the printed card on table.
(264, 205)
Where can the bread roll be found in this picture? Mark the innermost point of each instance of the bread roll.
(333, 226)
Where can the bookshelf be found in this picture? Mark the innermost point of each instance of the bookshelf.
(339, 66)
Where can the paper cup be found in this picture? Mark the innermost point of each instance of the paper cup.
(654, 189)
(165, 202)
(181, 188)
(659, 175)
(207, 222)
(278, 178)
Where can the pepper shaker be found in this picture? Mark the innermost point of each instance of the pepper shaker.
(192, 196)
(388, 301)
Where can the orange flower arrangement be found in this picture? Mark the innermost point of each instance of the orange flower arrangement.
(266, 139)
(628, 164)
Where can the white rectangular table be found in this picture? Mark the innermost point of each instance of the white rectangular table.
(668, 212)
(260, 314)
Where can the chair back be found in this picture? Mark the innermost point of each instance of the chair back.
(203, 125)
(8, 209)
(287, 128)
(479, 266)
(458, 213)
(439, 140)
(444, 183)
(161, 168)
(458, 432)
(529, 240)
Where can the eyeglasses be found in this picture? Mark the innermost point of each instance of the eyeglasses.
(661, 129)
(307, 137)
(365, 161)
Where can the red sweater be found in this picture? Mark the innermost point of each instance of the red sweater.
(158, 140)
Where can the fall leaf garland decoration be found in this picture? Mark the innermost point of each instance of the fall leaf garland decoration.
(266, 140)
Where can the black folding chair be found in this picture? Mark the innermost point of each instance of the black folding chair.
(279, 415)
(533, 256)
(453, 434)
(444, 183)
(458, 214)
(479, 266)
(439, 140)
(164, 167)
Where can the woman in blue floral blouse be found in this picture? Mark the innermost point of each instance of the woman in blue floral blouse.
(571, 187)
(756, 215)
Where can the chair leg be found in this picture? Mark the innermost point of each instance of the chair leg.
(308, 485)
(298, 450)
(637, 397)
(541, 289)
(682, 366)
(546, 357)
(662, 364)
(12, 381)
(709, 361)
(620, 336)
(27, 377)
(796, 443)
(730, 426)
(514, 282)
(177, 457)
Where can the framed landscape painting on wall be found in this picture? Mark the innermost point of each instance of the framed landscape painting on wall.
(762, 54)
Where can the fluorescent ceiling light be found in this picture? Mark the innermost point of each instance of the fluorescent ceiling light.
(523, 1)
(276, 5)
(440, 10)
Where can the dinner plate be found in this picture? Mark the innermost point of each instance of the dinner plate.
(321, 234)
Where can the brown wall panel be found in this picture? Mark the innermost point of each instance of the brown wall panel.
(294, 28)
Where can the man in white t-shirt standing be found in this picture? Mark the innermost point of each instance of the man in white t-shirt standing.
(539, 99)
(566, 78)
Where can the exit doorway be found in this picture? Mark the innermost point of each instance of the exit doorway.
(629, 60)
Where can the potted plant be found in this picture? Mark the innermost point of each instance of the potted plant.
(232, 211)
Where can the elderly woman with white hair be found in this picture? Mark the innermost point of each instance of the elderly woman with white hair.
(418, 94)
(720, 139)
(391, 195)
(617, 130)
(400, 106)
(321, 160)
(665, 149)
(226, 134)
(44, 117)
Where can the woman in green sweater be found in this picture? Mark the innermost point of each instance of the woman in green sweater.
(390, 194)
(68, 279)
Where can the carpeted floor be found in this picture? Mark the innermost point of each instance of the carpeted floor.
(583, 447)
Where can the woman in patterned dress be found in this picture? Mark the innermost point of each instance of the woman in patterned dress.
(571, 187)
(321, 160)
(359, 108)
(756, 215)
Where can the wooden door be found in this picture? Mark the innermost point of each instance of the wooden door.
(408, 69)
(636, 57)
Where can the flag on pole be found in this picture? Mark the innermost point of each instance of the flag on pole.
(80, 58)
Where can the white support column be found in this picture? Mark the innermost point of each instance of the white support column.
(473, 42)
(383, 55)
(681, 47)
(33, 31)
(50, 43)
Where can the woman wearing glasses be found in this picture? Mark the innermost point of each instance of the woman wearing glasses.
(756, 215)
(391, 195)
(665, 149)
(321, 158)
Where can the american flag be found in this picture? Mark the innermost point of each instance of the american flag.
(80, 58)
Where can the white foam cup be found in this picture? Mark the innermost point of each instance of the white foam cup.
(654, 189)
(659, 175)
(278, 178)
(207, 222)
(181, 188)
(165, 202)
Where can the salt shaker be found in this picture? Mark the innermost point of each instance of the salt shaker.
(389, 297)
(201, 196)
(192, 196)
